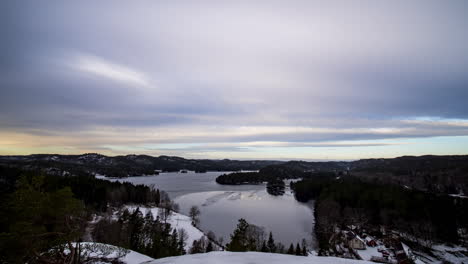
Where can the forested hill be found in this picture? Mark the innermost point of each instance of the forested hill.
(444, 174)
(438, 174)
(129, 165)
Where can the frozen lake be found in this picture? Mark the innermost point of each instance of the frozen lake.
(222, 205)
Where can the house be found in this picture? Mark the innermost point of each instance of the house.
(370, 242)
(401, 257)
(356, 243)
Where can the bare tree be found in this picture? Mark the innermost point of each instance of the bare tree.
(256, 235)
(175, 207)
(164, 213)
(194, 214)
(211, 235)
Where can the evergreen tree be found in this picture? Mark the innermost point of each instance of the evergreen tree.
(197, 247)
(125, 216)
(291, 249)
(136, 224)
(156, 240)
(298, 250)
(182, 240)
(40, 221)
(304, 247)
(271, 243)
(158, 197)
(264, 247)
(239, 240)
(209, 248)
(304, 250)
(174, 245)
(148, 223)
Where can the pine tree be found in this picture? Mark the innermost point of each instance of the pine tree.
(304, 250)
(291, 249)
(182, 240)
(148, 223)
(174, 246)
(239, 237)
(40, 221)
(304, 247)
(125, 216)
(136, 223)
(271, 243)
(158, 197)
(209, 248)
(298, 250)
(264, 247)
(196, 247)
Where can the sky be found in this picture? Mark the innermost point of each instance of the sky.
(311, 80)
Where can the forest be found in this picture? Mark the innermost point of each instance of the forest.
(350, 201)
(46, 213)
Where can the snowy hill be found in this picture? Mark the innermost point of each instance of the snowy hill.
(225, 257)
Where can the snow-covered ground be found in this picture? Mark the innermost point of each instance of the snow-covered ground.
(177, 221)
(452, 254)
(369, 252)
(135, 258)
(459, 196)
(224, 257)
(215, 257)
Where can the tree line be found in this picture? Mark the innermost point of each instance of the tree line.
(147, 234)
(249, 237)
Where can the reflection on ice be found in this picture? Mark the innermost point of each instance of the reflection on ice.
(213, 199)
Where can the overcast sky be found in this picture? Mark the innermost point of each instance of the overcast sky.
(235, 79)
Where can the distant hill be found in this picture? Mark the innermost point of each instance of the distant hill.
(440, 174)
(129, 165)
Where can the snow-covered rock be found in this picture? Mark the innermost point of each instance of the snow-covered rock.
(135, 258)
(94, 251)
(224, 257)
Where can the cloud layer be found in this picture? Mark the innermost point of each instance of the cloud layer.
(243, 79)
